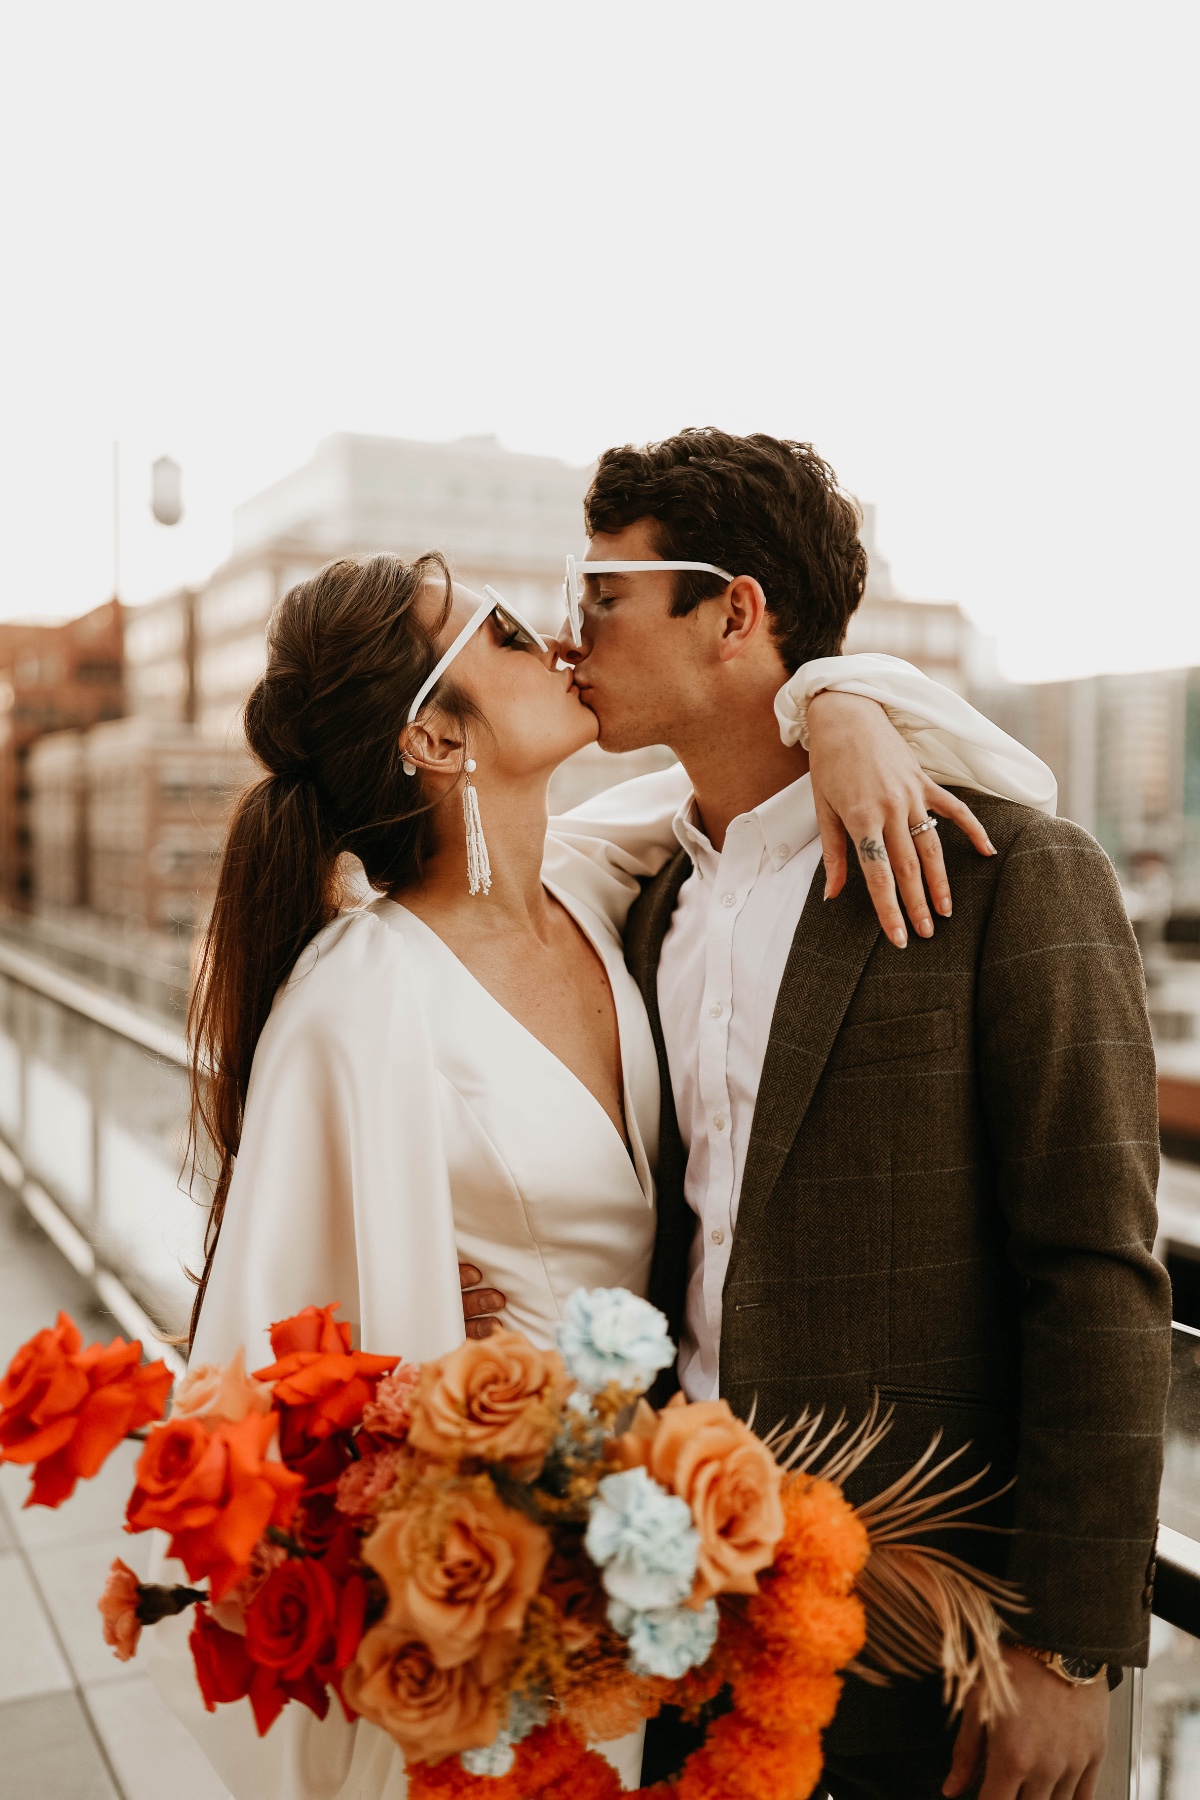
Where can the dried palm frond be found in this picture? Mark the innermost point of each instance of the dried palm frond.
(927, 1610)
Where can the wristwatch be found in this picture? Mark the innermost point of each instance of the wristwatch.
(1079, 1671)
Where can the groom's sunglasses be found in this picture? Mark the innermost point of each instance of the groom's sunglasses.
(576, 572)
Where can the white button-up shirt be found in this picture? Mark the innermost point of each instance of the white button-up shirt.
(722, 962)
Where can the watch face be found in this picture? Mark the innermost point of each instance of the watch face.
(1079, 1668)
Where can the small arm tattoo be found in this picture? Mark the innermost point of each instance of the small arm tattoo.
(872, 850)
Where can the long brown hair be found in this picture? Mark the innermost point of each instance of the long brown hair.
(346, 653)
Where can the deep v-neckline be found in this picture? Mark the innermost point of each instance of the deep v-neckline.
(629, 1141)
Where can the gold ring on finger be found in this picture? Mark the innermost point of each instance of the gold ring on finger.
(926, 824)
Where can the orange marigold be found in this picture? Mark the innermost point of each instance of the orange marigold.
(740, 1759)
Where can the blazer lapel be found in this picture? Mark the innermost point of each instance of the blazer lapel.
(648, 925)
(829, 952)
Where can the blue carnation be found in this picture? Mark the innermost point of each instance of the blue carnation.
(525, 1713)
(609, 1335)
(666, 1640)
(643, 1539)
(496, 1758)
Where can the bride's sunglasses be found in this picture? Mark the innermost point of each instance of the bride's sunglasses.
(576, 572)
(517, 632)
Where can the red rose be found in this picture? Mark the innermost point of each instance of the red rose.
(65, 1409)
(302, 1632)
(224, 1669)
(214, 1491)
(290, 1622)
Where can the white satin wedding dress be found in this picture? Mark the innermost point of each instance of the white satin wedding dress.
(399, 1119)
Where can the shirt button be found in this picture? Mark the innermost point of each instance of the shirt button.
(781, 850)
(718, 1237)
(719, 1121)
(715, 1010)
(728, 899)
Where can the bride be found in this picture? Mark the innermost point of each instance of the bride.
(460, 1071)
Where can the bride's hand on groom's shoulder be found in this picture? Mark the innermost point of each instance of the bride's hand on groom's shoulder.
(869, 785)
(480, 1304)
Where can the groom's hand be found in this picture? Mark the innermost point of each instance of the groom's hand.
(479, 1303)
(1051, 1744)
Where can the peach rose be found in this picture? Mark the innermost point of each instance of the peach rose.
(431, 1712)
(119, 1609)
(495, 1398)
(220, 1391)
(459, 1573)
(727, 1476)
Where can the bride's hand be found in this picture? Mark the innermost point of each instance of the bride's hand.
(867, 782)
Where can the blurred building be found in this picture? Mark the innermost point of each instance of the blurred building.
(1126, 752)
(158, 797)
(57, 776)
(498, 515)
(52, 678)
(160, 659)
(935, 635)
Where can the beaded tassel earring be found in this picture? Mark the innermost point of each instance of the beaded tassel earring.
(479, 868)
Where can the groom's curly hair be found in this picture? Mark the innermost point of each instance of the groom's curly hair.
(758, 505)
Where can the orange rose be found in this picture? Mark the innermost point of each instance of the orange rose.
(727, 1476)
(461, 1573)
(119, 1609)
(315, 1328)
(320, 1385)
(65, 1409)
(220, 1391)
(495, 1398)
(215, 1491)
(431, 1713)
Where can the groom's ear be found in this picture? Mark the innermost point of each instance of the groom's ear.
(742, 609)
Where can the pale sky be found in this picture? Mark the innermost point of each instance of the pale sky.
(952, 245)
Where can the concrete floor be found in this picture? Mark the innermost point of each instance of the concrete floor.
(75, 1724)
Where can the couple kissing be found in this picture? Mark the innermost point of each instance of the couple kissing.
(851, 1078)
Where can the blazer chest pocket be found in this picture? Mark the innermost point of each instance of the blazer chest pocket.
(889, 1040)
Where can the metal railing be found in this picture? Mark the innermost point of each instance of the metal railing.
(93, 1121)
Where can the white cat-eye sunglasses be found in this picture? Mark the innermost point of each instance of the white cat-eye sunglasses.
(573, 585)
(516, 630)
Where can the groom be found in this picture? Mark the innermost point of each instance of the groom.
(921, 1170)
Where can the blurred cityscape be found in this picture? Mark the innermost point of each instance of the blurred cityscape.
(120, 752)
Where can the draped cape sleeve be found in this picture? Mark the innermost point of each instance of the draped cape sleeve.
(956, 744)
(340, 1193)
(605, 849)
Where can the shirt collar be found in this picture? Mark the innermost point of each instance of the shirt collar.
(787, 821)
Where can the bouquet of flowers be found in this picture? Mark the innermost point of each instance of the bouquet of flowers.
(505, 1555)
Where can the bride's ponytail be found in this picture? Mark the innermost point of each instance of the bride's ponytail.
(346, 653)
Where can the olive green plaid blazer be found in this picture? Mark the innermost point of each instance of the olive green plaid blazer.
(949, 1201)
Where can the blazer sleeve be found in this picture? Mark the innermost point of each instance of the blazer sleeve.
(1068, 1086)
(340, 1193)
